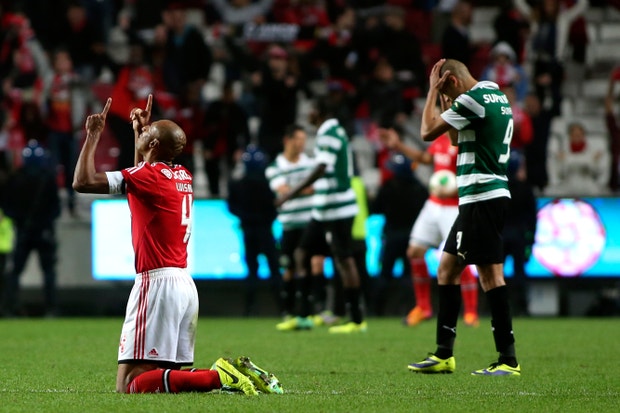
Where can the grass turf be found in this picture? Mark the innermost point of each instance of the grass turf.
(568, 365)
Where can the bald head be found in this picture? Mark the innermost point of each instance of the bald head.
(460, 79)
(171, 138)
(456, 68)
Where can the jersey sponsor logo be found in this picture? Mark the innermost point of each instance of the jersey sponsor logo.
(180, 175)
(492, 98)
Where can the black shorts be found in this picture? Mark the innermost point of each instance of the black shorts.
(336, 235)
(476, 236)
(290, 241)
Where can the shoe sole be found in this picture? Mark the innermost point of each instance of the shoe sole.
(264, 381)
(430, 371)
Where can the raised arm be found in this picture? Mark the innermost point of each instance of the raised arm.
(139, 119)
(85, 178)
(390, 138)
(433, 126)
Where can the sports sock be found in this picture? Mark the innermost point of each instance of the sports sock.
(501, 321)
(469, 291)
(319, 292)
(174, 381)
(305, 289)
(288, 296)
(447, 316)
(340, 304)
(421, 284)
(353, 299)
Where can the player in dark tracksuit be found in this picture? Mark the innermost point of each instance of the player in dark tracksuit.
(252, 201)
(31, 200)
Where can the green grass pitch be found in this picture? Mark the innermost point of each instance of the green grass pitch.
(568, 365)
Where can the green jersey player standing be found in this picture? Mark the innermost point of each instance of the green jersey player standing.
(334, 208)
(478, 118)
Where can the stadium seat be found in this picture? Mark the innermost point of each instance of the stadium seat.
(609, 31)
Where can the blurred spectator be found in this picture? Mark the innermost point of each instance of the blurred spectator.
(251, 200)
(64, 102)
(120, 38)
(455, 40)
(187, 57)
(442, 13)
(225, 137)
(536, 152)
(582, 167)
(550, 30)
(384, 95)
(506, 71)
(101, 13)
(134, 82)
(402, 50)
(275, 86)
(519, 229)
(190, 116)
(83, 39)
(400, 200)
(31, 200)
(31, 122)
(512, 28)
(334, 52)
(613, 131)
(145, 15)
(17, 65)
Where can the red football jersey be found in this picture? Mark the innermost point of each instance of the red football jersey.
(444, 157)
(160, 201)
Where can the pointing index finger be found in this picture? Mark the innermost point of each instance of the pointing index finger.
(149, 103)
(106, 108)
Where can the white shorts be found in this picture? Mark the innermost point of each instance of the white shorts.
(161, 318)
(433, 224)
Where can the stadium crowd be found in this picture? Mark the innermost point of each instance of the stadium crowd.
(238, 72)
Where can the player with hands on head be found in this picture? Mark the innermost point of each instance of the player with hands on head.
(479, 121)
(159, 330)
(432, 226)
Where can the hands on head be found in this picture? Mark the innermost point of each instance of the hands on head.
(437, 81)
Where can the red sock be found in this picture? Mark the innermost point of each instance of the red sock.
(174, 381)
(469, 291)
(421, 284)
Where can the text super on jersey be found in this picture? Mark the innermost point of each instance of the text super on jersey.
(160, 201)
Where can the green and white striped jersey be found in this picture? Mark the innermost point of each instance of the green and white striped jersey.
(296, 212)
(333, 197)
(483, 118)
